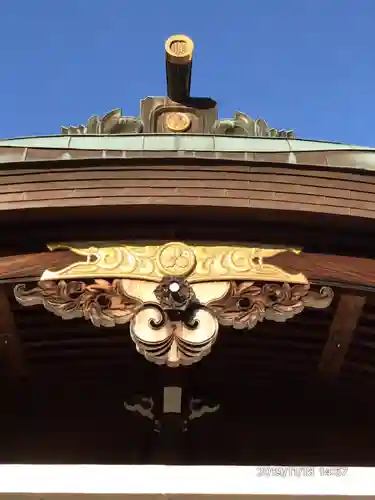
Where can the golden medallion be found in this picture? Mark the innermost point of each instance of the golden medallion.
(178, 122)
(179, 49)
(176, 259)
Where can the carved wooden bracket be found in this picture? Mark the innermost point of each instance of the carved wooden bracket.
(145, 406)
(174, 296)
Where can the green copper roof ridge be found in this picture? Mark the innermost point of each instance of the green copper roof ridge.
(163, 136)
(299, 139)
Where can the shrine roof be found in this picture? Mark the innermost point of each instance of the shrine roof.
(285, 151)
(183, 126)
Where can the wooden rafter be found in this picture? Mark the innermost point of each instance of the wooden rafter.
(10, 345)
(347, 314)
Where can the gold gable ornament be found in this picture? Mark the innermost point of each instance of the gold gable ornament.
(198, 263)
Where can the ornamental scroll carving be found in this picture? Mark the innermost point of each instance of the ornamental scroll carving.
(112, 123)
(244, 125)
(174, 296)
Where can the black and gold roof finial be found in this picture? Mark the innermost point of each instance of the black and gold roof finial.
(178, 112)
(179, 60)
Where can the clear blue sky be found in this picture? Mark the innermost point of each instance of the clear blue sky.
(302, 64)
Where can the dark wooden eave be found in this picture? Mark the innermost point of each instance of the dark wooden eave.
(267, 181)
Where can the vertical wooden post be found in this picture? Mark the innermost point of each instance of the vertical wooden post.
(347, 314)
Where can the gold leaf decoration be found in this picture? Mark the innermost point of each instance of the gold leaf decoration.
(197, 263)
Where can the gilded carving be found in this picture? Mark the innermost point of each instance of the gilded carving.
(179, 49)
(243, 125)
(174, 296)
(175, 259)
(177, 122)
(198, 263)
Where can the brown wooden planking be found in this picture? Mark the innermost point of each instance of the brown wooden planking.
(335, 198)
(125, 195)
(134, 181)
(242, 189)
(178, 201)
(32, 265)
(175, 167)
(325, 268)
(207, 170)
(211, 176)
(167, 169)
(265, 191)
(190, 177)
(347, 271)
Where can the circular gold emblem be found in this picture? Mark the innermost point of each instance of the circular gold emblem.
(179, 49)
(176, 259)
(178, 122)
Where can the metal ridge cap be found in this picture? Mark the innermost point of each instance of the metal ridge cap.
(59, 141)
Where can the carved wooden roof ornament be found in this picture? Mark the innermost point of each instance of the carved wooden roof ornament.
(243, 125)
(174, 296)
(111, 123)
(179, 112)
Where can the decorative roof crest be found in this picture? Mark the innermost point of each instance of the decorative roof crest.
(112, 122)
(179, 112)
(243, 124)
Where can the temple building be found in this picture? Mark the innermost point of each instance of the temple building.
(183, 289)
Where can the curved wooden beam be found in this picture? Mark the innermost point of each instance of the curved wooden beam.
(339, 270)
